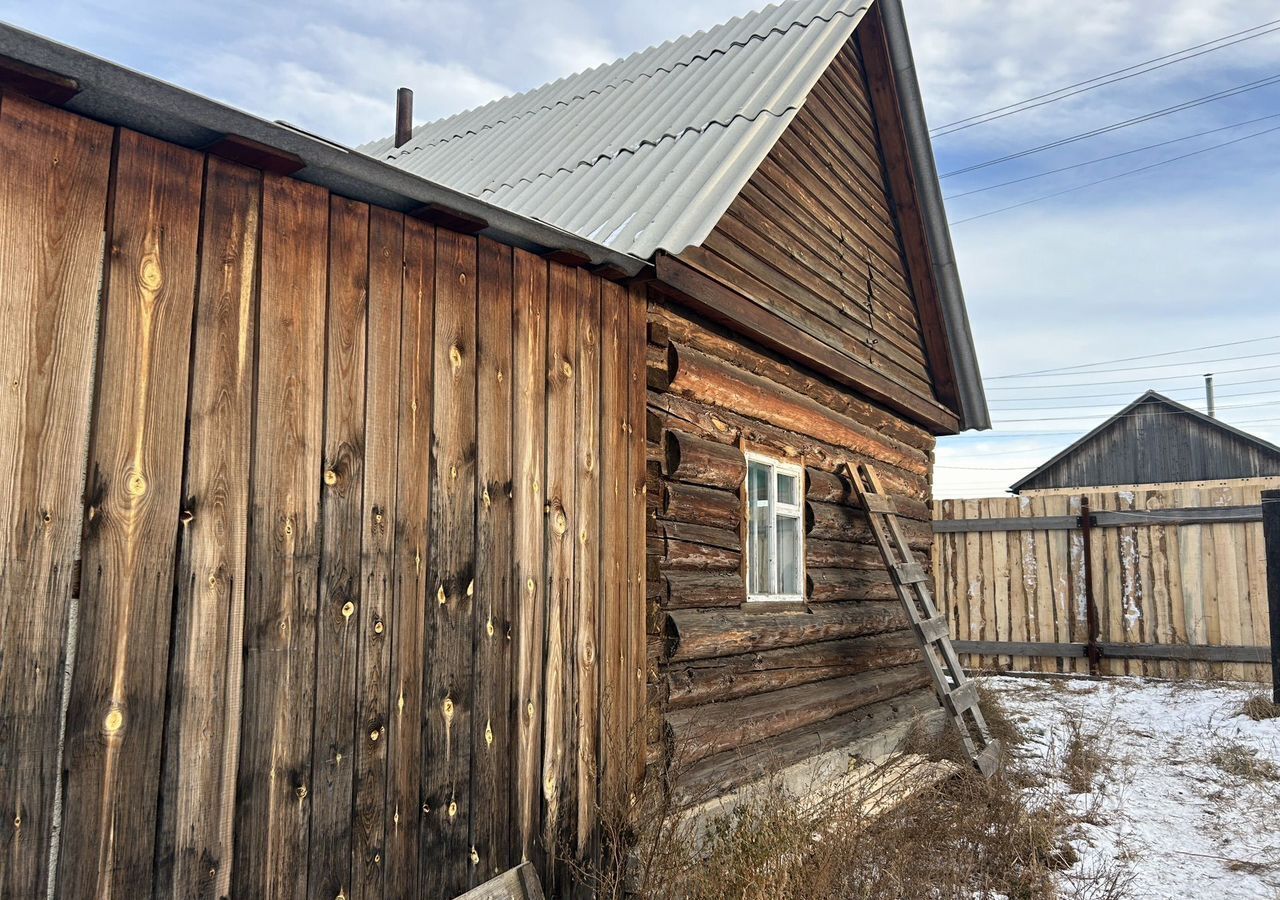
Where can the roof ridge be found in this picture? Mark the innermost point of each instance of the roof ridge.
(647, 142)
(702, 56)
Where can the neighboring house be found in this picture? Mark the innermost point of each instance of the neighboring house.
(1155, 440)
(398, 512)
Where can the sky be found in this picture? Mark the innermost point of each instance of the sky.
(1183, 255)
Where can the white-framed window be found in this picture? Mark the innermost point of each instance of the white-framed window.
(775, 529)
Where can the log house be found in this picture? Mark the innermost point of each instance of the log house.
(375, 518)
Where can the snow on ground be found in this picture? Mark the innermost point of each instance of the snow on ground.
(1188, 804)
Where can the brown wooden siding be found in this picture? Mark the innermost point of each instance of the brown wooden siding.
(356, 525)
(734, 683)
(813, 237)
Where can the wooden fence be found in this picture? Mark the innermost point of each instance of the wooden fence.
(1177, 577)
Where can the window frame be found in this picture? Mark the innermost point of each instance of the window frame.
(776, 509)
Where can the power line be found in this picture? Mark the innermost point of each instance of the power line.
(1116, 126)
(1130, 415)
(1101, 405)
(1100, 159)
(1081, 87)
(994, 435)
(1145, 380)
(1125, 174)
(1108, 362)
(1178, 390)
(1190, 362)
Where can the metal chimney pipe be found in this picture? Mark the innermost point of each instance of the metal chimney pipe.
(1208, 395)
(404, 116)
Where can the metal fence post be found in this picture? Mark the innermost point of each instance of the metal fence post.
(1092, 650)
(1271, 538)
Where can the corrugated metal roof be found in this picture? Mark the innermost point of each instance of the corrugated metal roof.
(645, 153)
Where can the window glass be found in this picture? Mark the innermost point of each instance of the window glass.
(787, 489)
(760, 524)
(789, 556)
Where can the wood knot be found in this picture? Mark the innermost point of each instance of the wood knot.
(378, 627)
(453, 808)
(330, 477)
(488, 626)
(462, 278)
(375, 734)
(136, 484)
(448, 709)
(471, 588)
(186, 517)
(567, 369)
(150, 275)
(301, 791)
(114, 721)
(455, 357)
(488, 733)
(475, 857)
(529, 586)
(347, 609)
(440, 596)
(560, 522)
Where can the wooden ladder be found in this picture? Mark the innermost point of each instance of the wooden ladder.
(958, 694)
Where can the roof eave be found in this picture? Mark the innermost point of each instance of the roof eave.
(973, 411)
(119, 96)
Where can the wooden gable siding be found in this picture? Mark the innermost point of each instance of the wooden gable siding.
(813, 238)
(362, 508)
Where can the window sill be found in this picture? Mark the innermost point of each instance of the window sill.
(762, 605)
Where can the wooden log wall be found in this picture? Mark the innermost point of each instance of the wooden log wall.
(320, 535)
(731, 681)
(1169, 585)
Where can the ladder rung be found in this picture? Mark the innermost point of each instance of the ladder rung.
(988, 759)
(932, 629)
(963, 698)
(910, 573)
(879, 503)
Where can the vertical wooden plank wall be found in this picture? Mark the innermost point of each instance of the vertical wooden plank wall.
(1181, 585)
(50, 269)
(359, 504)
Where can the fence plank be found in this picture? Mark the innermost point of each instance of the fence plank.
(50, 269)
(275, 781)
(115, 720)
(413, 516)
(447, 752)
(202, 742)
(494, 603)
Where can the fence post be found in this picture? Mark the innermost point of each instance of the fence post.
(1092, 650)
(1271, 538)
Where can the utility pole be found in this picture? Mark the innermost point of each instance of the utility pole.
(1271, 538)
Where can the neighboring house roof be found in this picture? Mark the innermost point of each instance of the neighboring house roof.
(646, 153)
(1155, 447)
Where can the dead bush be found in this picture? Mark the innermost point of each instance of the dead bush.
(1082, 758)
(1260, 707)
(1242, 762)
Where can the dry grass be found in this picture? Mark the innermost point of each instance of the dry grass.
(1260, 707)
(1242, 762)
(963, 837)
